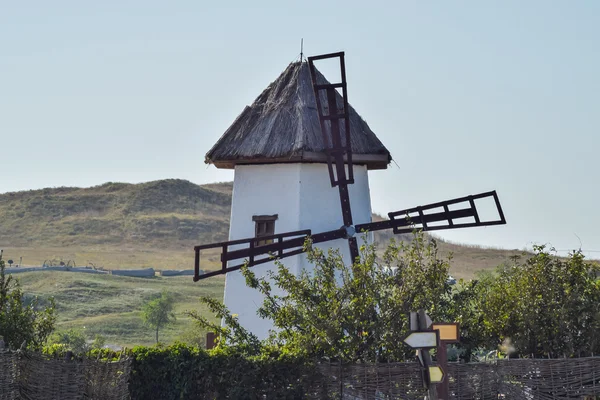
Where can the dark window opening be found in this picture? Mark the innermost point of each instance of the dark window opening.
(264, 226)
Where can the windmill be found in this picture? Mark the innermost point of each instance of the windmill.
(334, 118)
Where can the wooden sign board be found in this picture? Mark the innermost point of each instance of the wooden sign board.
(436, 374)
(449, 332)
(422, 339)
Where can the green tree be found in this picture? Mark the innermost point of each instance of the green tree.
(72, 339)
(545, 306)
(158, 312)
(98, 342)
(76, 340)
(23, 321)
(346, 312)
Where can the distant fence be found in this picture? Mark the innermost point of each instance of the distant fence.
(136, 273)
(33, 376)
(17, 270)
(175, 272)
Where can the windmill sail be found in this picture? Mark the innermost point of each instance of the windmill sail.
(292, 243)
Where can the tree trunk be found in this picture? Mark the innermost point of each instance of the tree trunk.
(156, 333)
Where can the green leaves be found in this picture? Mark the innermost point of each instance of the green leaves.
(231, 333)
(159, 312)
(185, 372)
(75, 340)
(542, 305)
(23, 322)
(545, 306)
(344, 312)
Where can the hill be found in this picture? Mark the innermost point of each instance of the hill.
(167, 213)
(115, 225)
(156, 224)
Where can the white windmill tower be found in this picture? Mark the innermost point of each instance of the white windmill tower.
(301, 154)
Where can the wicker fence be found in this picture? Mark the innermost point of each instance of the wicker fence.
(25, 375)
(530, 379)
(32, 376)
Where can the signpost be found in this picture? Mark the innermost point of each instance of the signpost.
(426, 335)
(423, 338)
(436, 375)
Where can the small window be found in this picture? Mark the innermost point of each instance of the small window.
(264, 226)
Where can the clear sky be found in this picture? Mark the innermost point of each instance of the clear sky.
(467, 96)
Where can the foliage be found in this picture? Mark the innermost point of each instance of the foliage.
(544, 307)
(158, 312)
(76, 340)
(111, 305)
(186, 372)
(230, 331)
(349, 313)
(192, 337)
(23, 321)
(98, 342)
(182, 371)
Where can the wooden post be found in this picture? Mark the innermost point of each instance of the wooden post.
(442, 360)
(210, 340)
(432, 390)
(449, 333)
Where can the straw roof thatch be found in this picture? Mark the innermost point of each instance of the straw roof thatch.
(282, 125)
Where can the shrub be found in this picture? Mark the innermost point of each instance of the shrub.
(546, 306)
(23, 321)
(185, 372)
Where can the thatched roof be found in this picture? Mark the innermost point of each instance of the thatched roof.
(282, 125)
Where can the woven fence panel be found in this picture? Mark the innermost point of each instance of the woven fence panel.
(539, 379)
(371, 381)
(33, 376)
(479, 381)
(9, 369)
(50, 379)
(107, 380)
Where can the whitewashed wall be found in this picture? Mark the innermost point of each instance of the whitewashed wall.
(302, 196)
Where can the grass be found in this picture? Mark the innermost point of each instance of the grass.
(110, 257)
(111, 305)
(162, 214)
(468, 260)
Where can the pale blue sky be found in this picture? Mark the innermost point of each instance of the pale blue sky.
(468, 97)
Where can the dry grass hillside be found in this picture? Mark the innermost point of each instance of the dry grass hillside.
(152, 224)
(116, 225)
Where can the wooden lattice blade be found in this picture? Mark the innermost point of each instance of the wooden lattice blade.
(338, 147)
(423, 218)
(283, 245)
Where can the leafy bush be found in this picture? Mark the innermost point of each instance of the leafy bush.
(343, 312)
(23, 321)
(186, 372)
(76, 341)
(546, 306)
